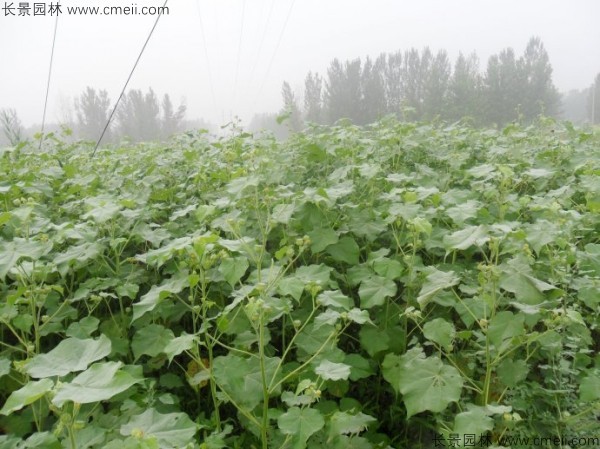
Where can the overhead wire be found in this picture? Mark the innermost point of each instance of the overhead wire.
(127, 82)
(239, 53)
(262, 41)
(208, 65)
(48, 81)
(262, 85)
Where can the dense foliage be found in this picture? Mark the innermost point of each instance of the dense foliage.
(351, 288)
(423, 85)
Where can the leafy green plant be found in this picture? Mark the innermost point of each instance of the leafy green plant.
(369, 287)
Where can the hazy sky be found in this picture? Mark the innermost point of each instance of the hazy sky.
(223, 57)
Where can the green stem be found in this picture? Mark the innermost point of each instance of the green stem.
(265, 387)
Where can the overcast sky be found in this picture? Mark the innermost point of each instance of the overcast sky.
(228, 57)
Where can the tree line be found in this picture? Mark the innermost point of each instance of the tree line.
(140, 116)
(423, 85)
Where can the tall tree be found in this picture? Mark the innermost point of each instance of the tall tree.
(539, 95)
(503, 87)
(92, 113)
(373, 90)
(138, 115)
(11, 126)
(594, 101)
(171, 118)
(313, 98)
(435, 86)
(291, 107)
(343, 91)
(464, 89)
(393, 82)
(414, 72)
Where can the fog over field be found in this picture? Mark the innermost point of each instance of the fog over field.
(230, 57)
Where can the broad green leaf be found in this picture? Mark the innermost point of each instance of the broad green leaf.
(158, 257)
(388, 268)
(151, 340)
(503, 327)
(343, 423)
(360, 368)
(101, 209)
(359, 316)
(374, 290)
(541, 233)
(83, 328)
(346, 250)
(512, 372)
(321, 238)
(435, 282)
(590, 259)
(158, 293)
(473, 422)
(301, 423)
(464, 211)
(77, 255)
(336, 299)
(182, 212)
(171, 430)
(329, 317)
(238, 185)
(28, 394)
(313, 338)
(517, 277)
(439, 331)
(203, 212)
(70, 355)
(45, 440)
(339, 190)
(589, 389)
(421, 225)
(291, 286)
(5, 365)
(99, 382)
(373, 340)
(333, 371)
(314, 153)
(241, 378)
(318, 274)
(12, 252)
(358, 274)
(179, 344)
(366, 223)
(233, 268)
(282, 213)
(349, 442)
(482, 171)
(467, 237)
(425, 383)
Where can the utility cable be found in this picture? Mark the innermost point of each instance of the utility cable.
(274, 52)
(210, 78)
(262, 41)
(48, 82)
(239, 54)
(128, 79)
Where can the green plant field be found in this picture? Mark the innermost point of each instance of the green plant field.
(377, 287)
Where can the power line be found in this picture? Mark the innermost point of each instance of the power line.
(262, 40)
(210, 78)
(128, 79)
(275, 51)
(239, 54)
(48, 82)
